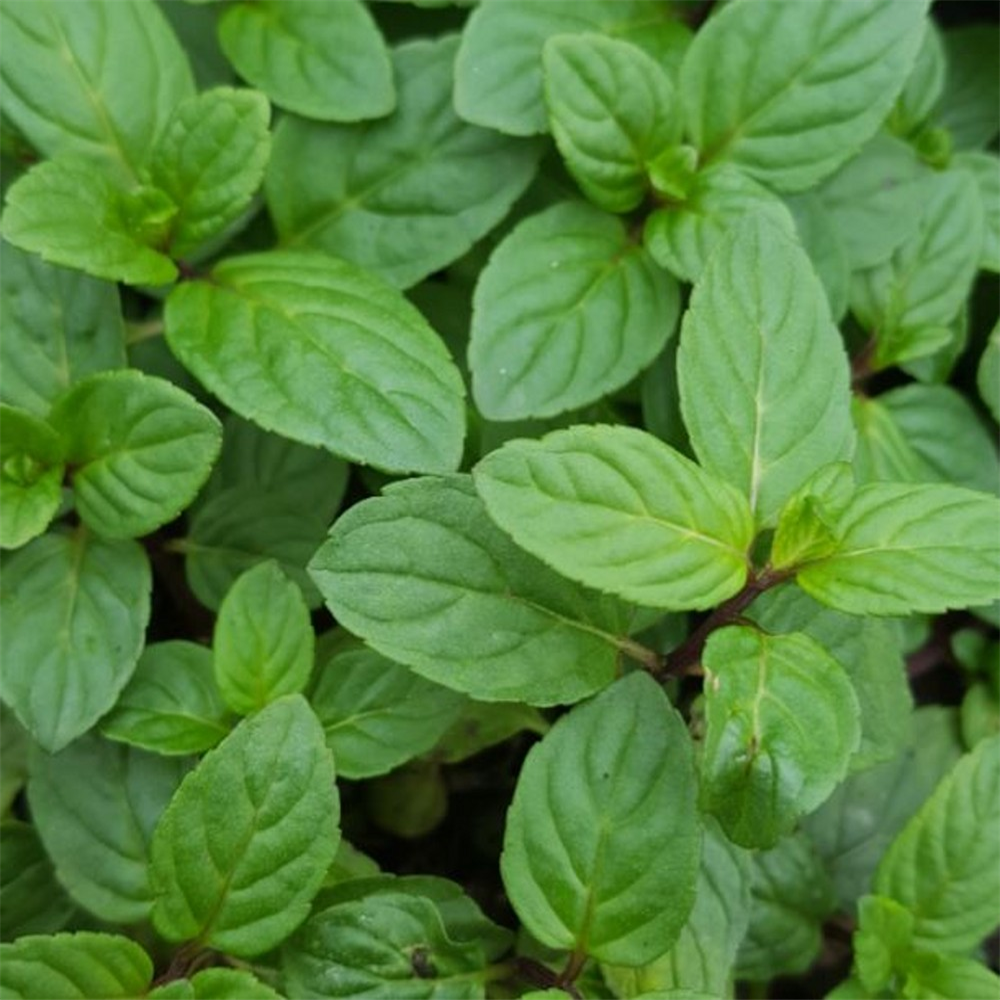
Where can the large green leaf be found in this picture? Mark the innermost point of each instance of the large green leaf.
(764, 378)
(404, 196)
(619, 510)
(75, 609)
(324, 353)
(567, 309)
(265, 800)
(789, 90)
(95, 805)
(426, 578)
(32, 900)
(904, 548)
(602, 842)
(323, 59)
(782, 721)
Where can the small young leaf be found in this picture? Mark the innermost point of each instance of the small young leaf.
(804, 84)
(32, 900)
(75, 609)
(266, 802)
(781, 725)
(140, 448)
(806, 527)
(215, 984)
(596, 802)
(324, 60)
(883, 941)
(619, 510)
(567, 309)
(426, 578)
(324, 353)
(95, 805)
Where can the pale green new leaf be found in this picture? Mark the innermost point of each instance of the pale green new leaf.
(210, 160)
(95, 805)
(75, 609)
(949, 977)
(74, 967)
(945, 864)
(988, 373)
(215, 984)
(602, 843)
(91, 78)
(764, 378)
(905, 548)
(59, 327)
(323, 59)
(265, 800)
(617, 509)
(806, 523)
(789, 90)
(611, 109)
(320, 351)
(404, 196)
(140, 449)
(782, 721)
(424, 577)
(985, 169)
(31, 898)
(567, 310)
(883, 941)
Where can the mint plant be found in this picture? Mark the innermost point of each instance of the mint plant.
(499, 500)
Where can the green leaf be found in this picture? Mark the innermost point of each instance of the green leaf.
(905, 548)
(619, 510)
(265, 800)
(945, 864)
(498, 71)
(782, 721)
(355, 369)
(764, 378)
(215, 984)
(970, 105)
(324, 60)
(603, 821)
(59, 327)
(924, 85)
(172, 704)
(823, 243)
(95, 805)
(377, 714)
(806, 524)
(882, 943)
(31, 474)
(74, 967)
(680, 237)
(399, 197)
(139, 447)
(988, 373)
(949, 977)
(75, 609)
(612, 109)
(91, 79)
(15, 745)
(263, 641)
(32, 900)
(567, 310)
(71, 213)
(985, 170)
(805, 84)
(484, 724)
(426, 579)
(210, 160)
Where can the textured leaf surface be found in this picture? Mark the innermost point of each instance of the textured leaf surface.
(404, 196)
(32, 899)
(985, 170)
(823, 243)
(582, 862)
(319, 351)
(905, 548)
(215, 984)
(140, 448)
(426, 578)
(789, 90)
(323, 59)
(95, 805)
(781, 725)
(75, 609)
(567, 309)
(265, 800)
(619, 510)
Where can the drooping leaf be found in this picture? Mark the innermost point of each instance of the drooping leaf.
(399, 197)
(619, 510)
(215, 984)
(32, 899)
(567, 309)
(985, 170)
(75, 609)
(266, 802)
(426, 578)
(788, 90)
(323, 59)
(970, 105)
(319, 351)
(595, 802)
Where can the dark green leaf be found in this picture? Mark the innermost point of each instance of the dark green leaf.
(31, 899)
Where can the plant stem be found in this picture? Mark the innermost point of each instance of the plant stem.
(861, 363)
(650, 659)
(137, 332)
